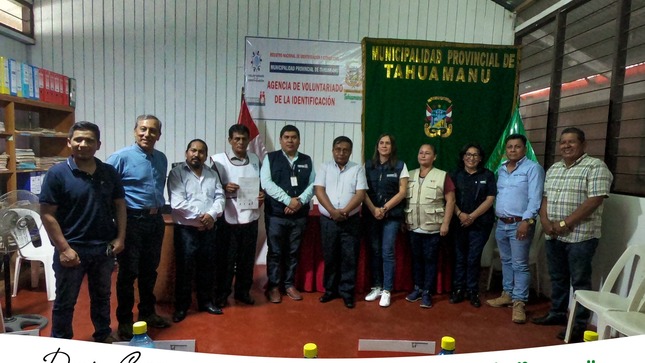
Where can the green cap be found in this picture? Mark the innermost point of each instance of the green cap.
(590, 336)
(310, 350)
(448, 343)
(140, 327)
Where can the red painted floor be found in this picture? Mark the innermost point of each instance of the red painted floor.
(280, 330)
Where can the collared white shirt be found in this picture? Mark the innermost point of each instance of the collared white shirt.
(192, 195)
(340, 185)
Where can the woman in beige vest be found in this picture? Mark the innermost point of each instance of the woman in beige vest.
(431, 200)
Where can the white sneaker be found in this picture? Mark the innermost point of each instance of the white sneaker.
(374, 294)
(385, 299)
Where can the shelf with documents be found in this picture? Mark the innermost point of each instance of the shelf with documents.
(34, 131)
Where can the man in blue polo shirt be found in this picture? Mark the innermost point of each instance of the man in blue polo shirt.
(143, 171)
(83, 211)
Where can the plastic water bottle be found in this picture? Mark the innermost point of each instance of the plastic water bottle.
(140, 336)
(447, 345)
(590, 336)
(310, 350)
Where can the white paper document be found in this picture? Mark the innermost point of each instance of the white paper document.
(247, 195)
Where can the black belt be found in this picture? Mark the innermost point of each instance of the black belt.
(509, 220)
(143, 212)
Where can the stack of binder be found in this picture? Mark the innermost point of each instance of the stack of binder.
(25, 159)
(4, 159)
(46, 162)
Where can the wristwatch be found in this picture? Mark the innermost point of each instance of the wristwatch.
(530, 221)
(563, 224)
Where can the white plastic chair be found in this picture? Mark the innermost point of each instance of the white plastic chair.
(630, 268)
(537, 244)
(630, 322)
(44, 254)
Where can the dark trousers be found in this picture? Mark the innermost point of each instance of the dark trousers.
(283, 239)
(139, 260)
(425, 256)
(236, 247)
(98, 267)
(195, 260)
(570, 266)
(469, 245)
(340, 247)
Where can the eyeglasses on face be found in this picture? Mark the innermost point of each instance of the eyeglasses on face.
(469, 155)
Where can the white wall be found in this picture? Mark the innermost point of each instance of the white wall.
(182, 60)
(12, 48)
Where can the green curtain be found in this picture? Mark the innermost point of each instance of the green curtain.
(446, 94)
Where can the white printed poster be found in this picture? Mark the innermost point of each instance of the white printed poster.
(303, 80)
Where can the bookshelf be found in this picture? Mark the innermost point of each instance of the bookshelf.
(31, 124)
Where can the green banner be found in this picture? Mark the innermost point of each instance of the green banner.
(515, 126)
(445, 94)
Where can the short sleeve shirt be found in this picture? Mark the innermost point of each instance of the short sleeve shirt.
(566, 188)
(85, 202)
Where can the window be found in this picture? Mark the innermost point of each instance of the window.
(16, 20)
(584, 66)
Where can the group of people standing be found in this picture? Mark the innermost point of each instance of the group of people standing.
(94, 211)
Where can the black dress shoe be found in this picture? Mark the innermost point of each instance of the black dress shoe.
(474, 299)
(211, 309)
(577, 334)
(550, 319)
(179, 315)
(349, 302)
(245, 299)
(327, 297)
(456, 296)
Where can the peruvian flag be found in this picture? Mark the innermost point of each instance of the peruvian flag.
(256, 145)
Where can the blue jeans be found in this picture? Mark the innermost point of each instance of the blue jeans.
(382, 241)
(570, 266)
(98, 267)
(340, 247)
(425, 255)
(469, 244)
(514, 254)
(283, 241)
(195, 261)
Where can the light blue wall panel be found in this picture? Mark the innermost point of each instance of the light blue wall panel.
(183, 60)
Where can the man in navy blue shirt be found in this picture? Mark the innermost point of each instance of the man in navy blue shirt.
(142, 170)
(83, 211)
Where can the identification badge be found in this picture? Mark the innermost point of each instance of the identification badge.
(294, 181)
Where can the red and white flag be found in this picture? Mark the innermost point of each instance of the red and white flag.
(256, 145)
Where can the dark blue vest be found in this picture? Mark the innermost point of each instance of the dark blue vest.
(383, 184)
(281, 173)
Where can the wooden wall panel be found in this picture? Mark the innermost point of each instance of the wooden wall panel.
(184, 60)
